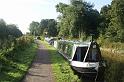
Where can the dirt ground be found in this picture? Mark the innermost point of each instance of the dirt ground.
(40, 70)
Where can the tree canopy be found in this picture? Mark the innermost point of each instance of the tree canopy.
(113, 21)
(77, 18)
(45, 27)
(34, 26)
(9, 30)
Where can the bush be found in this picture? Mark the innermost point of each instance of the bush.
(23, 41)
(14, 70)
(105, 43)
(15, 60)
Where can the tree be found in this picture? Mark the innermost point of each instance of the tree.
(43, 26)
(8, 34)
(105, 18)
(52, 28)
(48, 26)
(77, 18)
(3, 29)
(34, 28)
(63, 22)
(14, 31)
(115, 29)
(8, 30)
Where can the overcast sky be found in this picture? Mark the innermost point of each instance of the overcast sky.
(23, 12)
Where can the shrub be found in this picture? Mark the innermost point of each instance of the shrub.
(23, 41)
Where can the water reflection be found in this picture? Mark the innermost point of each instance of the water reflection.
(86, 79)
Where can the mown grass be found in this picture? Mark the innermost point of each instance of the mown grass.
(115, 66)
(14, 70)
(61, 70)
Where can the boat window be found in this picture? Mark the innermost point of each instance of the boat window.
(94, 54)
(80, 53)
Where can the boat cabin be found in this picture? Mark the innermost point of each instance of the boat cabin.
(88, 52)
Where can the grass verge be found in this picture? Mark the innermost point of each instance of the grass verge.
(115, 66)
(14, 70)
(61, 70)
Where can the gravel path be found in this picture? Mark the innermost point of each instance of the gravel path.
(40, 70)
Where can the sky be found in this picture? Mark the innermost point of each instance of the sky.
(23, 12)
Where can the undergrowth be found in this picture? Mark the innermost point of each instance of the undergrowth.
(113, 53)
(115, 66)
(13, 69)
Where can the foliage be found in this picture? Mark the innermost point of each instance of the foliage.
(115, 66)
(77, 18)
(15, 60)
(13, 30)
(45, 27)
(113, 21)
(105, 18)
(110, 45)
(23, 41)
(61, 69)
(52, 29)
(34, 28)
(8, 30)
(113, 55)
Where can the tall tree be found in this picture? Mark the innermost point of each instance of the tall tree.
(34, 28)
(77, 18)
(52, 27)
(8, 30)
(48, 26)
(43, 26)
(105, 18)
(14, 31)
(3, 29)
(116, 25)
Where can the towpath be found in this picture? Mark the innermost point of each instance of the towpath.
(40, 70)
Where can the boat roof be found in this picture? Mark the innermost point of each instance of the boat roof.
(78, 43)
(82, 44)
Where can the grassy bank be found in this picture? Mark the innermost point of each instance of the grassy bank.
(115, 66)
(60, 67)
(13, 70)
(118, 46)
(113, 53)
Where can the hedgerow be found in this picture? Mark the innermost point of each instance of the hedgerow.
(15, 60)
